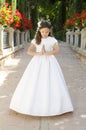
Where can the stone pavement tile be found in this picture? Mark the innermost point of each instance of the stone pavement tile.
(66, 122)
(10, 127)
(10, 120)
(44, 124)
(31, 123)
(58, 122)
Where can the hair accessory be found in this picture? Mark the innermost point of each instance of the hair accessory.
(44, 23)
(39, 24)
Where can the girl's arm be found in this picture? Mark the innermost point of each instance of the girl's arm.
(54, 51)
(32, 52)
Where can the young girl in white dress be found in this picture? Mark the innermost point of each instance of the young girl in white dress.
(42, 90)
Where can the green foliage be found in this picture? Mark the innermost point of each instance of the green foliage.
(78, 6)
(60, 35)
(22, 6)
(9, 1)
(53, 11)
(32, 33)
(75, 6)
(71, 10)
(61, 16)
(84, 5)
(34, 17)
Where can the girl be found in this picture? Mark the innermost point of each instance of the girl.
(42, 90)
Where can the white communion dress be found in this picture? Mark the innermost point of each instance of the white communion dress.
(42, 90)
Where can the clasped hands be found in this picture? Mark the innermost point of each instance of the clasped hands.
(43, 52)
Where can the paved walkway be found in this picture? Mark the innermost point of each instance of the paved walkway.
(74, 71)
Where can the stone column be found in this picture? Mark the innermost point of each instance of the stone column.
(18, 37)
(77, 33)
(83, 38)
(71, 38)
(68, 36)
(11, 37)
(27, 36)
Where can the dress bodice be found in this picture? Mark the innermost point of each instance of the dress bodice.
(47, 42)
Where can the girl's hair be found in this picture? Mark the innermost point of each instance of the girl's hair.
(42, 24)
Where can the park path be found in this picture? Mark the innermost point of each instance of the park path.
(74, 71)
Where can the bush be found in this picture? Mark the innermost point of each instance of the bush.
(60, 35)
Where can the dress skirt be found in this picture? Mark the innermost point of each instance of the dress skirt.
(42, 90)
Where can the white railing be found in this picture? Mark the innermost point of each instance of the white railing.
(77, 40)
(12, 40)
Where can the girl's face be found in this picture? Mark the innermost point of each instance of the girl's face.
(44, 32)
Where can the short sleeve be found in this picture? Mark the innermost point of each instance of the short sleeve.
(54, 41)
(33, 41)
